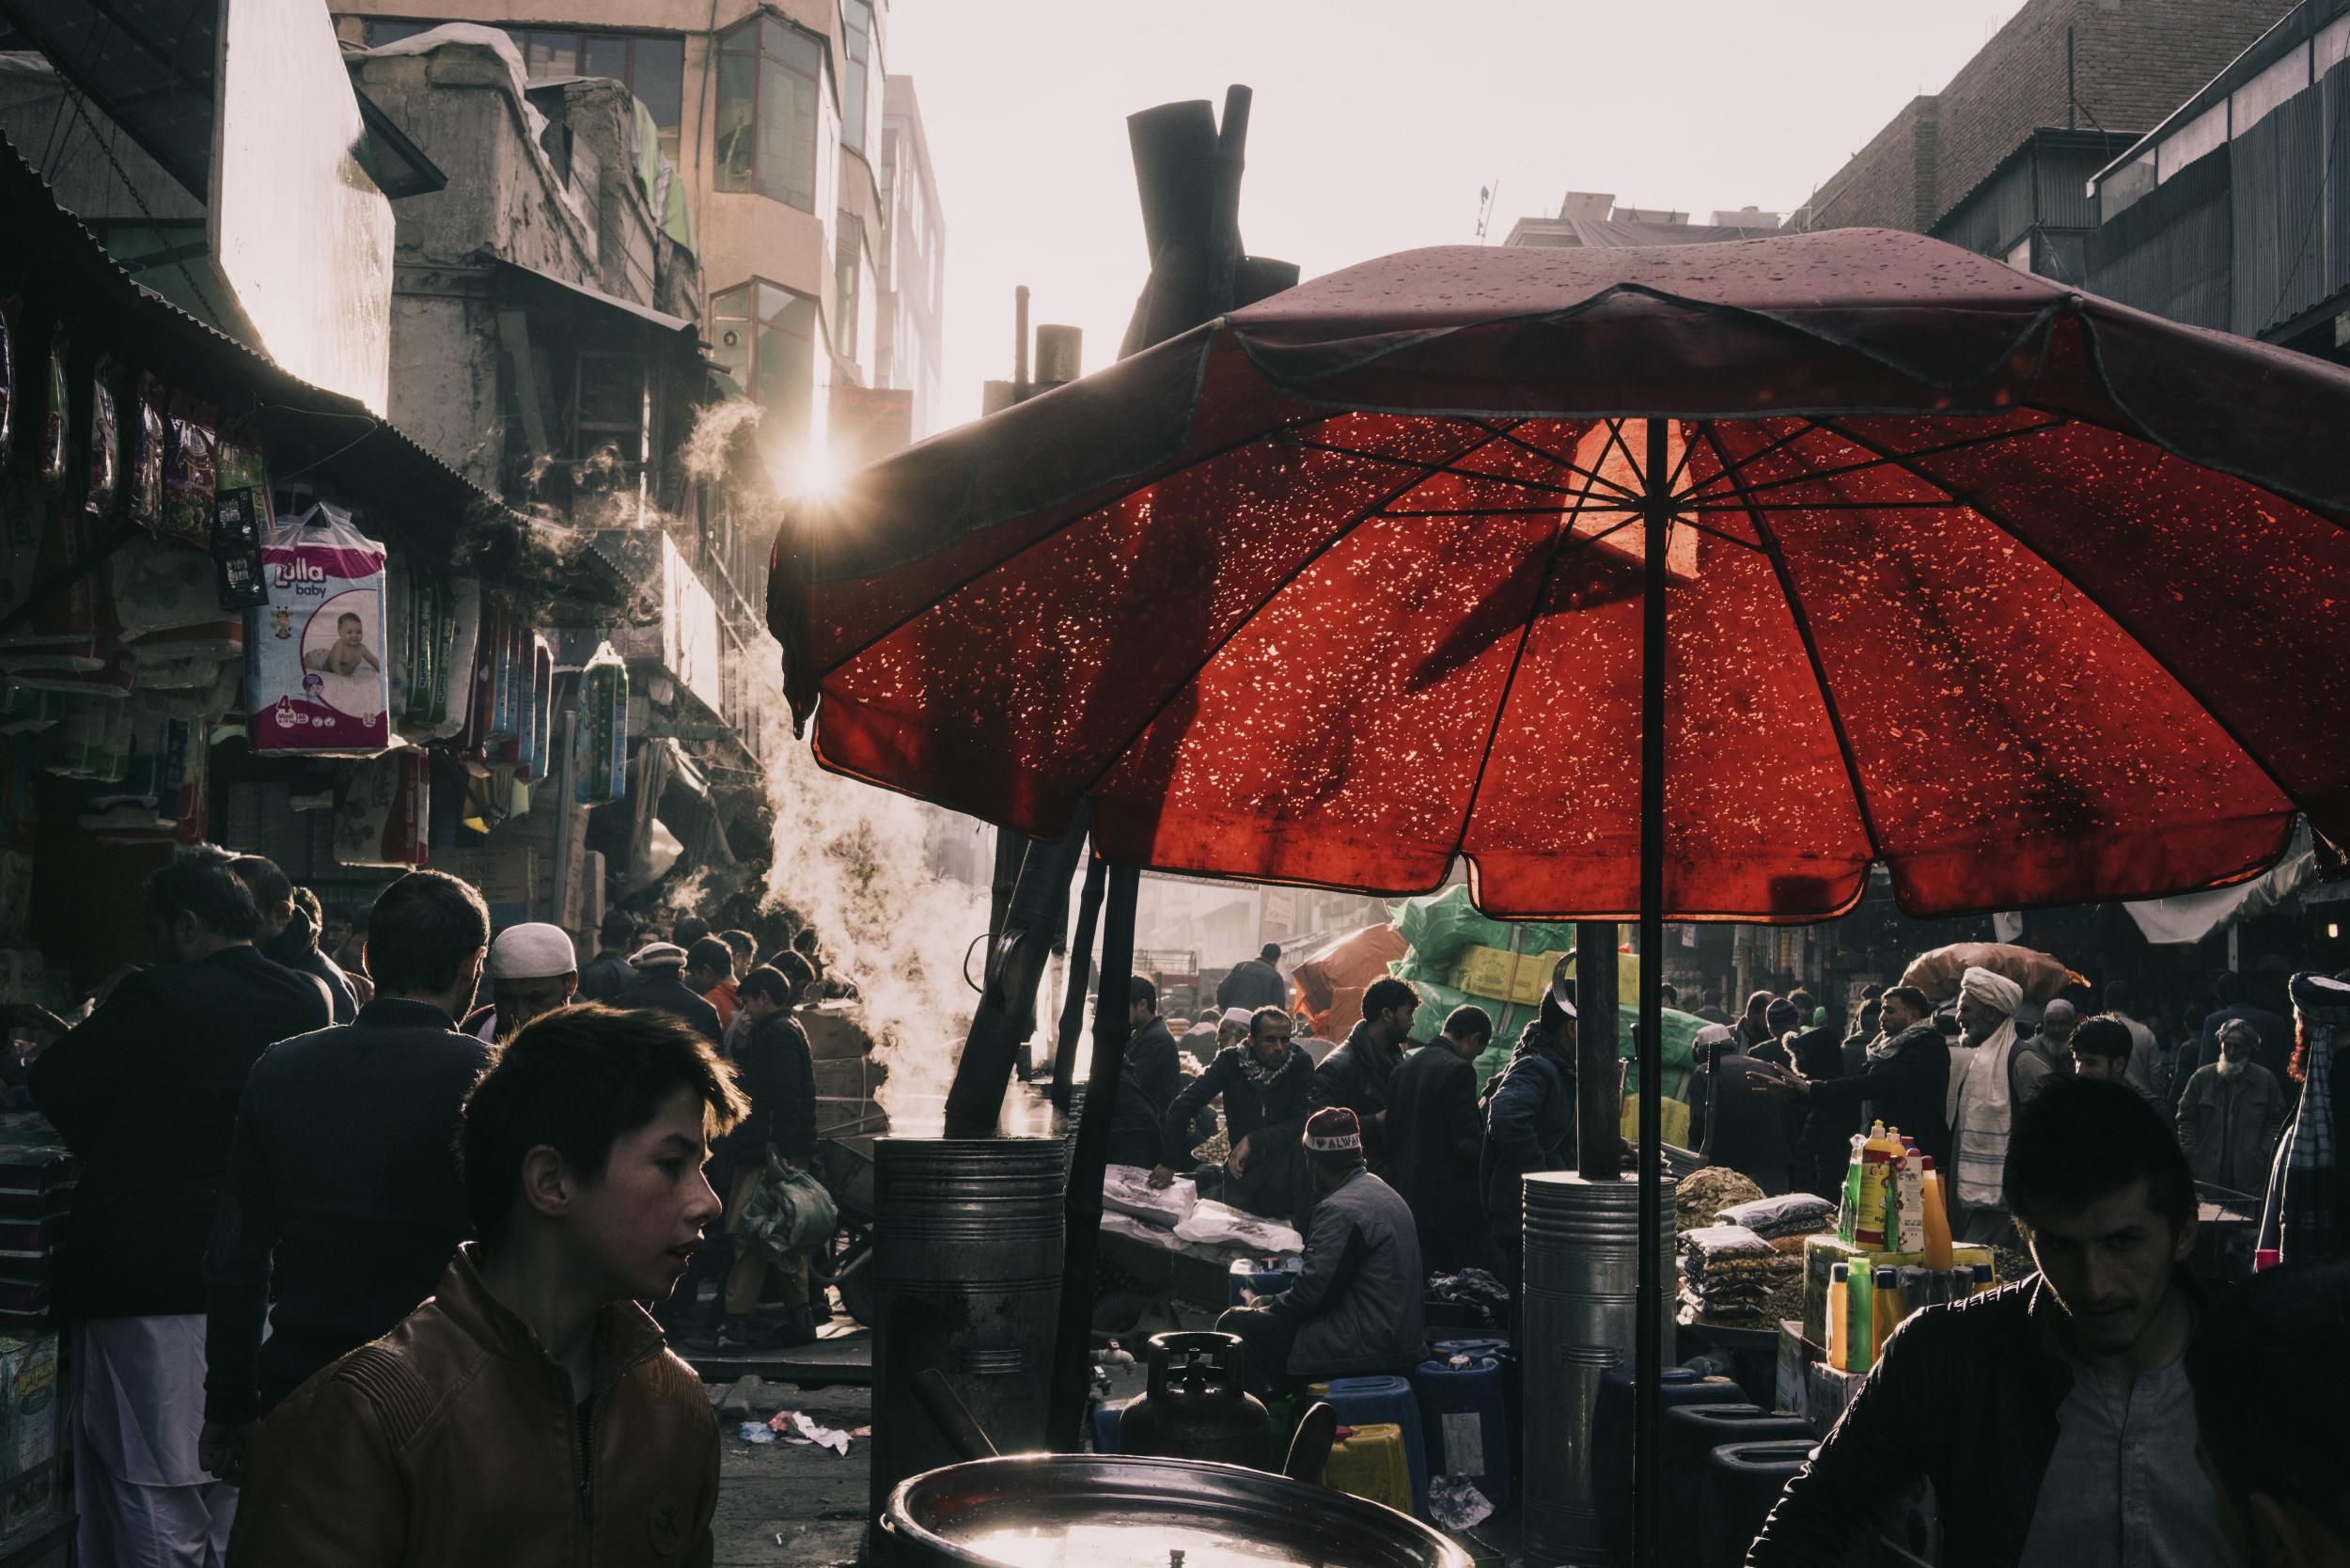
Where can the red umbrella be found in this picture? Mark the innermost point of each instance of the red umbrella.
(2030, 596)
(1683, 582)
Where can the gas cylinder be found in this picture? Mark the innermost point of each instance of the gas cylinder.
(1194, 1406)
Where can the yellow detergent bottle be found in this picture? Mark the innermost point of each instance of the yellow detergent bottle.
(1937, 1218)
(1876, 1169)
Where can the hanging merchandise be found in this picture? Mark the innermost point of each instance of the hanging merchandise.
(241, 517)
(167, 601)
(105, 438)
(51, 457)
(379, 810)
(143, 474)
(10, 308)
(48, 535)
(464, 641)
(315, 676)
(538, 722)
(191, 470)
(600, 734)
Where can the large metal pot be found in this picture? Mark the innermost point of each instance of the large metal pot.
(1123, 1510)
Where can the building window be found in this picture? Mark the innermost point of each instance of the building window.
(647, 64)
(769, 338)
(772, 111)
(2019, 255)
(848, 298)
(856, 75)
(611, 405)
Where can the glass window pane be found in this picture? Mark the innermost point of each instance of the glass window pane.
(2205, 133)
(847, 242)
(856, 32)
(788, 164)
(603, 54)
(552, 55)
(2253, 102)
(656, 73)
(738, 85)
(2332, 45)
(611, 390)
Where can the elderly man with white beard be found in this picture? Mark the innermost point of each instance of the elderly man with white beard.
(2231, 1114)
(1989, 1079)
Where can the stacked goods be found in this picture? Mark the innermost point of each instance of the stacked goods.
(1938, 972)
(1728, 1274)
(1702, 1194)
(1971, 1267)
(1784, 1221)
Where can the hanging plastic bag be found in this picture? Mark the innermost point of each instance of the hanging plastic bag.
(316, 680)
(600, 735)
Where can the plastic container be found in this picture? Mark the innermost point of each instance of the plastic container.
(1465, 1422)
(1884, 1309)
(1876, 1155)
(1362, 1401)
(1839, 1309)
(1937, 1217)
(1692, 1432)
(1513, 1384)
(1106, 1418)
(1860, 1321)
(1369, 1462)
(1739, 1483)
(1612, 1438)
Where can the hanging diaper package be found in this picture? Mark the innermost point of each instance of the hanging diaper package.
(316, 679)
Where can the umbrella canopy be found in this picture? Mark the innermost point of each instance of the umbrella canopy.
(2027, 595)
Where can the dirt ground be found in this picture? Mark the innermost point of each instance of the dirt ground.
(780, 1504)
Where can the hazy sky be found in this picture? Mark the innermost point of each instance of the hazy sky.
(1375, 123)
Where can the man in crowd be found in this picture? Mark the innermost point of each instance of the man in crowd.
(2271, 1384)
(2146, 1070)
(659, 986)
(2274, 1035)
(689, 930)
(1355, 1075)
(1354, 1309)
(2102, 1048)
(778, 1074)
(1254, 982)
(144, 1090)
(710, 975)
(1864, 1028)
(1991, 1076)
(2054, 1043)
(532, 969)
(1903, 1079)
(529, 1412)
(1529, 1120)
(744, 946)
(1433, 1137)
(344, 1202)
(1148, 1081)
(1264, 1083)
(2053, 1415)
(608, 976)
(2232, 1114)
(1754, 1025)
(1711, 1009)
(288, 933)
(1733, 1119)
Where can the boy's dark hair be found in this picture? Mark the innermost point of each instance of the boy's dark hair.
(203, 884)
(2271, 1384)
(1141, 990)
(2103, 1037)
(578, 1079)
(1469, 1022)
(1910, 997)
(423, 930)
(619, 927)
(2080, 1139)
(1388, 992)
(797, 972)
(709, 954)
(765, 981)
(308, 902)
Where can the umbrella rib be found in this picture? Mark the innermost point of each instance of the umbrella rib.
(1803, 428)
(1810, 649)
(2178, 677)
(1449, 466)
(1175, 689)
(1884, 459)
(1590, 475)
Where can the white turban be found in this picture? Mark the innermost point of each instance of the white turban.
(533, 950)
(1987, 985)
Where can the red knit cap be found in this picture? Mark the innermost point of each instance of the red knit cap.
(1333, 1130)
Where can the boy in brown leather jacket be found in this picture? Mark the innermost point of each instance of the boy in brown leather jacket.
(529, 1412)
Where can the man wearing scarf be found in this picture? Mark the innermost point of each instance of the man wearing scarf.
(2231, 1114)
(2309, 1187)
(1989, 1078)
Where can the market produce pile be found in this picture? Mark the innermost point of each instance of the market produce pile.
(1784, 1220)
(1702, 1194)
(1728, 1274)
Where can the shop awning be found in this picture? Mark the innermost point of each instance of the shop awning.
(563, 290)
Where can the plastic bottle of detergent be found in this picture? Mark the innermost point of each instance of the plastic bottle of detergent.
(1839, 1307)
(1937, 1219)
(1876, 1155)
(1848, 1212)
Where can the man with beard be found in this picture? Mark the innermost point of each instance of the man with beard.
(288, 933)
(1529, 1119)
(2232, 1114)
(1264, 1083)
(2053, 1416)
(1989, 1078)
(1355, 1075)
(1902, 1082)
(532, 969)
(343, 1200)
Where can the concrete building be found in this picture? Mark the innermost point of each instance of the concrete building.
(774, 117)
(1592, 219)
(1997, 160)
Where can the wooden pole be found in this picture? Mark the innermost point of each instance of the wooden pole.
(1073, 1010)
(1597, 1142)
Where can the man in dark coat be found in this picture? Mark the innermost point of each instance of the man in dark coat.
(1265, 1085)
(609, 976)
(1905, 1075)
(777, 1070)
(1434, 1135)
(289, 935)
(344, 1202)
(144, 1090)
(2274, 1035)
(1530, 1122)
(1734, 1123)
(1254, 982)
(1355, 1075)
(660, 986)
(1148, 1081)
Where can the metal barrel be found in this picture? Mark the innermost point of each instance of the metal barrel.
(1581, 1287)
(968, 1235)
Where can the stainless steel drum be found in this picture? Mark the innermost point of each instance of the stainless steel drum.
(1582, 1281)
(1123, 1510)
(968, 1251)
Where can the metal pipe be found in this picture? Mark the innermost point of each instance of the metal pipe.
(1596, 1137)
(1648, 1349)
(1065, 1407)
(1073, 1010)
(1020, 348)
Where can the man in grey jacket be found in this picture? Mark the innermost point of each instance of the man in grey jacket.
(1354, 1309)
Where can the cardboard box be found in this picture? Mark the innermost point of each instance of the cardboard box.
(1502, 976)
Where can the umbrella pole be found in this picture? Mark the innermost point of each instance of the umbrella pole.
(1648, 1348)
(1073, 1010)
(1072, 1343)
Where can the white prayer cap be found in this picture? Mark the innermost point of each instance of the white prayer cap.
(533, 950)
